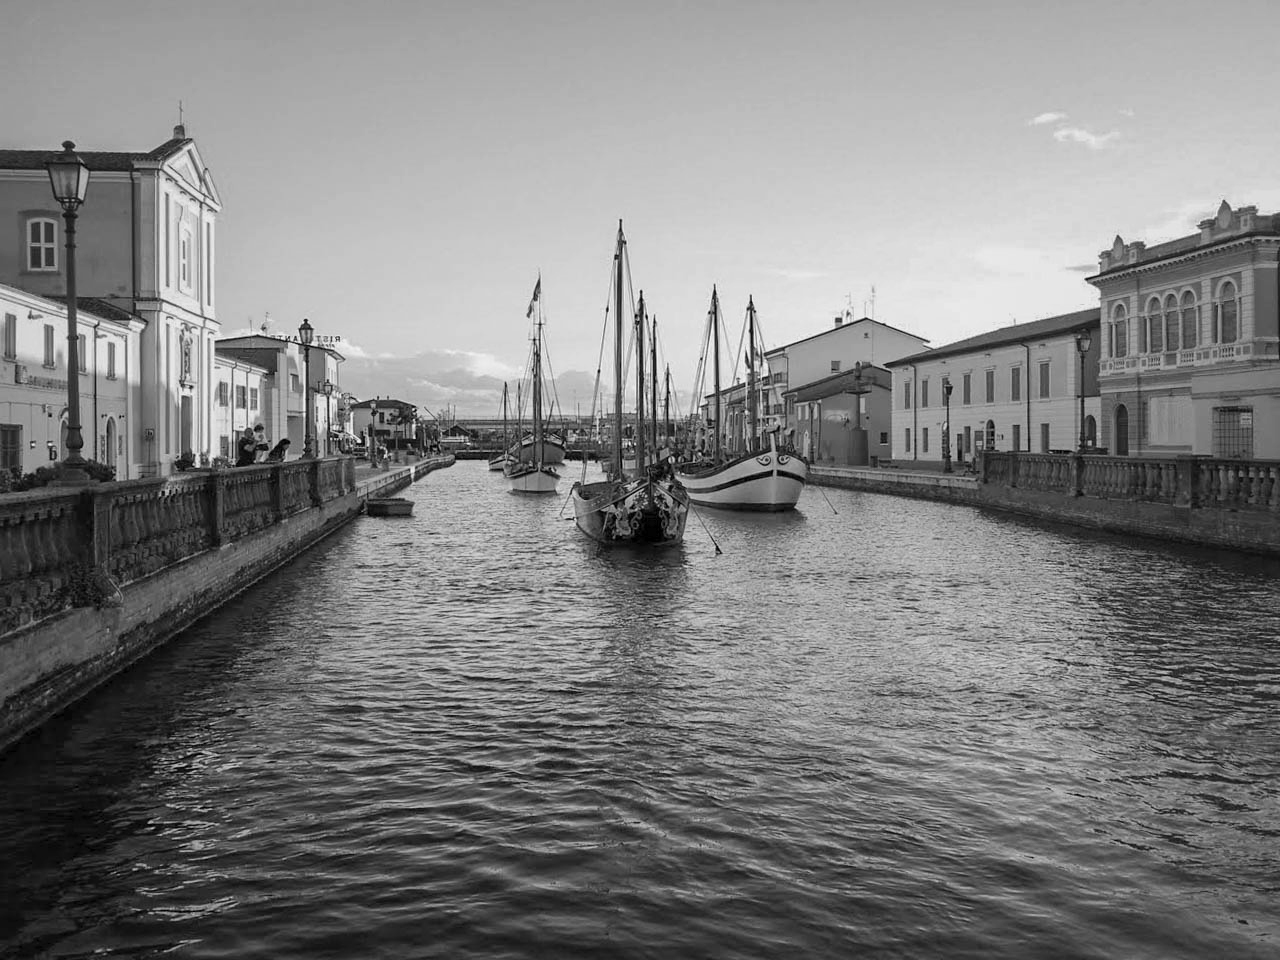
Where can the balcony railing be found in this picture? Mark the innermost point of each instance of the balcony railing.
(59, 546)
(1205, 355)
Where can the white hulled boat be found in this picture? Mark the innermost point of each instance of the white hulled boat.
(536, 475)
(650, 508)
(761, 477)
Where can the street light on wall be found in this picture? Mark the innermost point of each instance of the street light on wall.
(1084, 340)
(69, 178)
(306, 333)
(328, 416)
(946, 430)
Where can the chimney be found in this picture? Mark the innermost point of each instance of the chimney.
(179, 132)
(839, 320)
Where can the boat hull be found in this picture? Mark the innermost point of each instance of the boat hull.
(501, 461)
(768, 481)
(641, 512)
(552, 451)
(388, 507)
(527, 478)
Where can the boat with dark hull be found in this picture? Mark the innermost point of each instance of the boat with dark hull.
(649, 507)
(536, 475)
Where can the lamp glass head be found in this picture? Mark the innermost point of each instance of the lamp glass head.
(68, 176)
(306, 332)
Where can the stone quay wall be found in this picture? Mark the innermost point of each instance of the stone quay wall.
(1230, 504)
(93, 578)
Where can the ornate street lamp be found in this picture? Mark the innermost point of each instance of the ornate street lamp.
(373, 437)
(946, 430)
(1084, 340)
(69, 178)
(327, 387)
(306, 333)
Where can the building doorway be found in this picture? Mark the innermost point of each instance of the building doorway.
(990, 442)
(109, 455)
(186, 423)
(1090, 431)
(1122, 431)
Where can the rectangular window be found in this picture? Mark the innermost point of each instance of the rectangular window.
(924, 440)
(965, 393)
(991, 386)
(10, 446)
(168, 240)
(1017, 436)
(1015, 384)
(1233, 433)
(208, 263)
(906, 395)
(10, 336)
(1044, 379)
(82, 353)
(224, 393)
(184, 258)
(907, 442)
(295, 385)
(884, 437)
(924, 392)
(240, 397)
(50, 356)
(835, 366)
(224, 444)
(42, 249)
(111, 359)
(1044, 438)
(253, 398)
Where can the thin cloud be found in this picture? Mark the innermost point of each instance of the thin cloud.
(1094, 141)
(1041, 119)
(1126, 112)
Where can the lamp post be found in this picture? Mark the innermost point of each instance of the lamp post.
(327, 387)
(373, 437)
(1084, 340)
(69, 178)
(946, 430)
(306, 333)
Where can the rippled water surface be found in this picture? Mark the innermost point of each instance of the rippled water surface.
(874, 727)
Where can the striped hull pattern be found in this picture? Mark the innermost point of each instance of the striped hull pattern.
(634, 512)
(527, 478)
(768, 481)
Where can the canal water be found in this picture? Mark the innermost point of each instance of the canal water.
(873, 727)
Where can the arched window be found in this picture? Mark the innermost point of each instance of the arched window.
(1155, 327)
(1190, 321)
(1119, 331)
(1171, 322)
(1091, 431)
(42, 249)
(1120, 435)
(1228, 314)
(990, 442)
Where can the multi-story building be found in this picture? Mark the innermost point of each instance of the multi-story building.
(826, 354)
(145, 241)
(830, 412)
(33, 381)
(243, 395)
(1191, 341)
(1017, 388)
(395, 423)
(287, 406)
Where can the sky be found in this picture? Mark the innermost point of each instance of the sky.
(401, 173)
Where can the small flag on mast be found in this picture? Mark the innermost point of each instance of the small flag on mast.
(537, 292)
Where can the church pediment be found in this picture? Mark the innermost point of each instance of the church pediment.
(187, 167)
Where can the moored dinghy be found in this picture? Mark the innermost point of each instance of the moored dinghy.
(651, 508)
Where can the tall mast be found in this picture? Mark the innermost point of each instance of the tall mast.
(640, 383)
(653, 381)
(537, 391)
(617, 354)
(715, 366)
(753, 400)
(666, 405)
(506, 441)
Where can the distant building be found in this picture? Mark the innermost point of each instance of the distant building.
(828, 412)
(1015, 388)
(394, 422)
(145, 241)
(1191, 341)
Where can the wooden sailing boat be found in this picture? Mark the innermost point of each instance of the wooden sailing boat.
(501, 460)
(762, 478)
(535, 475)
(650, 508)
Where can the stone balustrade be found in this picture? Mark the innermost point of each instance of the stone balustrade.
(54, 538)
(1184, 481)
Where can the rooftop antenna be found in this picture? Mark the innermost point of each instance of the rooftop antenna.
(873, 301)
(266, 322)
(179, 113)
